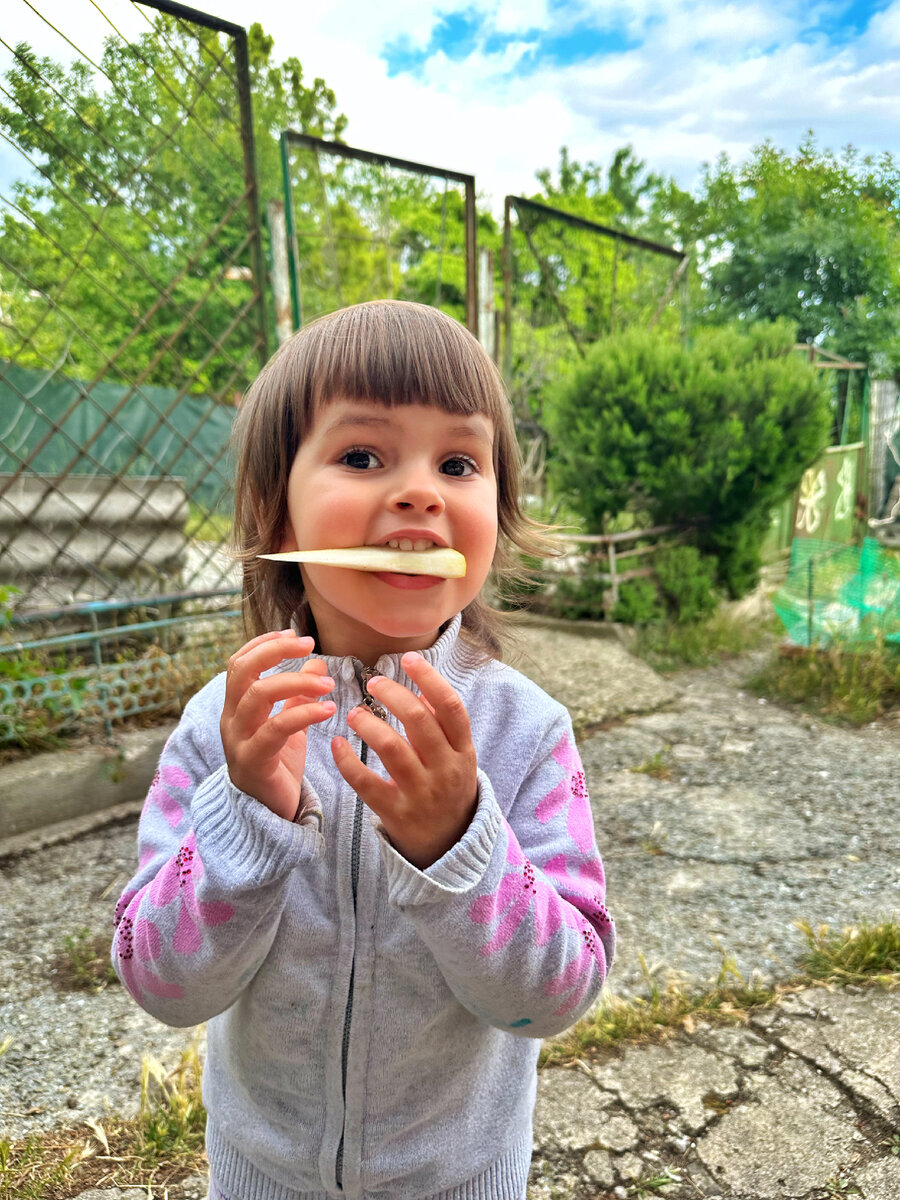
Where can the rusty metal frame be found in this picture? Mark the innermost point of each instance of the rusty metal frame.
(520, 204)
(292, 137)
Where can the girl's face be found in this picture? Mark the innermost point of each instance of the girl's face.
(368, 474)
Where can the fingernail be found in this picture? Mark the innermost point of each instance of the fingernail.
(374, 679)
(326, 679)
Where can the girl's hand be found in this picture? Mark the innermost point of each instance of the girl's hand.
(430, 798)
(266, 754)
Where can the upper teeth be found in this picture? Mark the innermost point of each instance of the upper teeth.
(409, 544)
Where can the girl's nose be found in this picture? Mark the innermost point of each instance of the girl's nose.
(417, 490)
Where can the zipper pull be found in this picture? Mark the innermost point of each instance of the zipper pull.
(364, 674)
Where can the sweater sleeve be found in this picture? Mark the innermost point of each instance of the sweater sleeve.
(197, 920)
(514, 913)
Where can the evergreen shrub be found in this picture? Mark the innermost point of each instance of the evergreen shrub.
(714, 435)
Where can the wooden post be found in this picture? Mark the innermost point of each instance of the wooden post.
(611, 599)
(281, 275)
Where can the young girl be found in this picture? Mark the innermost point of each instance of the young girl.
(367, 858)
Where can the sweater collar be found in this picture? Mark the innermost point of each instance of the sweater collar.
(347, 668)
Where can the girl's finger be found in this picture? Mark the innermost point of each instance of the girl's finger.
(379, 794)
(254, 706)
(273, 734)
(400, 760)
(415, 714)
(261, 654)
(446, 704)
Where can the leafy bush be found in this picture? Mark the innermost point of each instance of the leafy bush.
(639, 603)
(687, 580)
(713, 436)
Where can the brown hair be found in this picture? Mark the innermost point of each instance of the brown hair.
(392, 352)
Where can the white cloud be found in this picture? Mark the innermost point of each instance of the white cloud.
(704, 78)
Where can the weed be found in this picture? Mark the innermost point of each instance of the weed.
(672, 645)
(852, 685)
(863, 953)
(893, 1144)
(841, 1185)
(651, 1185)
(83, 964)
(656, 766)
(660, 1011)
(162, 1144)
(172, 1119)
(655, 842)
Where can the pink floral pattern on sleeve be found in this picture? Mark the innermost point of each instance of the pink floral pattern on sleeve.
(570, 794)
(520, 893)
(160, 794)
(567, 891)
(138, 940)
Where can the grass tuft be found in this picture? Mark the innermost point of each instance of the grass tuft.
(655, 766)
(864, 953)
(653, 1185)
(853, 686)
(83, 964)
(659, 1012)
(160, 1146)
(671, 646)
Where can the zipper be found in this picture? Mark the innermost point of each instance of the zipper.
(364, 674)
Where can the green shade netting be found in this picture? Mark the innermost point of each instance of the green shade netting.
(834, 593)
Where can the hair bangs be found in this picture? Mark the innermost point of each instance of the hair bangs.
(399, 354)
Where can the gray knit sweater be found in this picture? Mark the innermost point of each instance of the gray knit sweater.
(373, 1028)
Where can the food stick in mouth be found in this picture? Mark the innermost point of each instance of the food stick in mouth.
(439, 560)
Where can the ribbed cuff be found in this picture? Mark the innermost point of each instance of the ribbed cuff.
(457, 871)
(250, 842)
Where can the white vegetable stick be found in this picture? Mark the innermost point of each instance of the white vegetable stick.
(449, 564)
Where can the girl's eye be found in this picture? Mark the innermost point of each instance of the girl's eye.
(460, 466)
(360, 460)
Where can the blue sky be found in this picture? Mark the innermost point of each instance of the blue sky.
(495, 87)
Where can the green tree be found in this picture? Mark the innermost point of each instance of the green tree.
(712, 436)
(811, 237)
(126, 248)
(364, 230)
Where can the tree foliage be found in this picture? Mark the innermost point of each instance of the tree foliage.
(712, 436)
(811, 237)
(127, 242)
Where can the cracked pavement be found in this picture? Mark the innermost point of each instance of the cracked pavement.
(761, 818)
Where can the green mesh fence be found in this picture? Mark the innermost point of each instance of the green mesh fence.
(834, 593)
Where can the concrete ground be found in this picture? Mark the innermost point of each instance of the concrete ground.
(743, 820)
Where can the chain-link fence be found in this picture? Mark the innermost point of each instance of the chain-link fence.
(132, 318)
(361, 225)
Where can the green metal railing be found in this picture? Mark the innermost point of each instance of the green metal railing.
(48, 690)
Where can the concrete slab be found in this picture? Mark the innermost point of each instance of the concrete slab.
(588, 670)
(792, 1135)
(63, 785)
